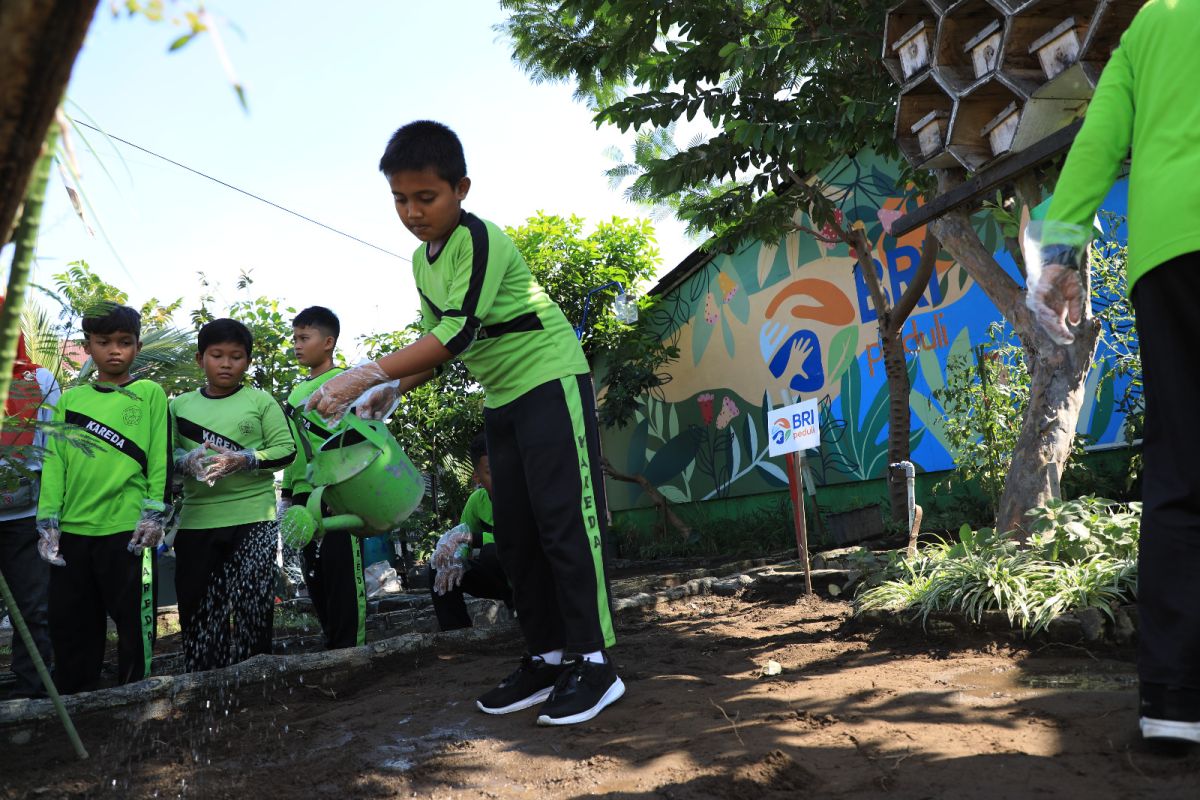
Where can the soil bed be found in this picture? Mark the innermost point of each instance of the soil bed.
(857, 711)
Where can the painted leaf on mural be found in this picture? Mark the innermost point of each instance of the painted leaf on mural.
(1098, 413)
(772, 474)
(727, 335)
(673, 493)
(673, 457)
(841, 353)
(702, 331)
(635, 458)
(766, 261)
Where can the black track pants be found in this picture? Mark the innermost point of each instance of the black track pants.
(548, 505)
(29, 579)
(333, 573)
(101, 579)
(224, 580)
(1168, 323)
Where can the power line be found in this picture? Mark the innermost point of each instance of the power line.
(243, 191)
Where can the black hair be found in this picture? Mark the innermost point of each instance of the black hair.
(423, 144)
(321, 318)
(225, 331)
(110, 318)
(478, 448)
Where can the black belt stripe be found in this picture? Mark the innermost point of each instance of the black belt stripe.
(127, 445)
(196, 433)
(309, 425)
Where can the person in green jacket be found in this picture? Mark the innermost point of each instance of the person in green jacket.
(332, 564)
(1146, 105)
(472, 563)
(229, 439)
(102, 507)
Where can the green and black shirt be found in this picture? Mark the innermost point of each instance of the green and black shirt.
(247, 419)
(477, 515)
(306, 423)
(479, 299)
(101, 485)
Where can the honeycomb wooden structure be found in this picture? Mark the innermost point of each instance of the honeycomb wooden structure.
(981, 79)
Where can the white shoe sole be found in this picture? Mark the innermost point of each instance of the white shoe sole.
(534, 699)
(1169, 729)
(611, 696)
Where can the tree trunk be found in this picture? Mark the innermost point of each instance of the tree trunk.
(1057, 375)
(41, 40)
(22, 264)
(895, 367)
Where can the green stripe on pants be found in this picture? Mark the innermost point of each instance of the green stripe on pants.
(587, 504)
(147, 607)
(360, 591)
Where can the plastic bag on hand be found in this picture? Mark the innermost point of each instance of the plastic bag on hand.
(445, 580)
(452, 547)
(1054, 253)
(191, 462)
(227, 462)
(336, 395)
(49, 535)
(378, 402)
(148, 532)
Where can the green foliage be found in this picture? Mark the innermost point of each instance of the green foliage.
(784, 86)
(1083, 554)
(766, 530)
(984, 401)
(567, 263)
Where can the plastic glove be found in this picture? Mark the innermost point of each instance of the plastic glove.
(149, 531)
(379, 401)
(1054, 292)
(226, 462)
(337, 394)
(191, 462)
(48, 536)
(281, 507)
(448, 579)
(451, 548)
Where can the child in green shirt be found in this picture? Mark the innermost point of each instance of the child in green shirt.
(228, 440)
(332, 565)
(477, 571)
(480, 303)
(101, 510)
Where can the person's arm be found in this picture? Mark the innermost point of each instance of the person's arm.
(293, 474)
(1101, 146)
(470, 518)
(54, 471)
(158, 452)
(279, 448)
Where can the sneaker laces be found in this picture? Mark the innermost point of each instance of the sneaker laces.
(528, 664)
(571, 677)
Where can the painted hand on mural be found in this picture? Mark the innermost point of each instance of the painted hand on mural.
(800, 353)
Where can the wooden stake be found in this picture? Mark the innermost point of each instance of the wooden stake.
(795, 472)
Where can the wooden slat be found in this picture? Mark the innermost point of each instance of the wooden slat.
(987, 180)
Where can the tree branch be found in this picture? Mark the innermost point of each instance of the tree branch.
(655, 495)
(912, 294)
(857, 238)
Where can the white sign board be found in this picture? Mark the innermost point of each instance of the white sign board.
(794, 428)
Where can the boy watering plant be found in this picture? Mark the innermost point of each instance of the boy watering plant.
(228, 440)
(102, 507)
(333, 570)
(480, 303)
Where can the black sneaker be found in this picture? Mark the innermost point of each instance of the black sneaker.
(582, 691)
(1169, 712)
(529, 685)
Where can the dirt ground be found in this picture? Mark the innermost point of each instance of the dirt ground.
(854, 713)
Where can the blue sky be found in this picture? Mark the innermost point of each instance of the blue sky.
(327, 84)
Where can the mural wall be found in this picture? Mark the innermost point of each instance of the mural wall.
(793, 320)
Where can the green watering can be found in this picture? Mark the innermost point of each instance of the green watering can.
(363, 476)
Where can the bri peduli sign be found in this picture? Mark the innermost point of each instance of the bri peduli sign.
(794, 428)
